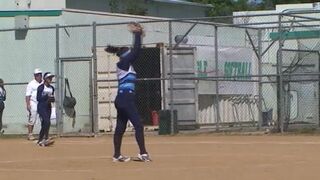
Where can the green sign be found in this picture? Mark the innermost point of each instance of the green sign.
(30, 13)
(295, 35)
(236, 68)
(202, 66)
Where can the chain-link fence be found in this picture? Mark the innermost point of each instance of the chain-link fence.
(261, 72)
(17, 71)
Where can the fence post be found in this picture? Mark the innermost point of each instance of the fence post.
(280, 103)
(171, 79)
(58, 85)
(93, 83)
(216, 54)
(260, 79)
(318, 53)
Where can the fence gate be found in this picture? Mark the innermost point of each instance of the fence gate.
(301, 87)
(78, 71)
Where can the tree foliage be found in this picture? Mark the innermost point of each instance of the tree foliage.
(226, 7)
(135, 7)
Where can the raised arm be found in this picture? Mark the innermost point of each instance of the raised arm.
(136, 46)
(128, 58)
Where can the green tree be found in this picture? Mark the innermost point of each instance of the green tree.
(270, 4)
(135, 7)
(226, 7)
(114, 6)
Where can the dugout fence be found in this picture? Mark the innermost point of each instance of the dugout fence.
(256, 72)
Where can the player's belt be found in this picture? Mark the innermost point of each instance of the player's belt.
(121, 91)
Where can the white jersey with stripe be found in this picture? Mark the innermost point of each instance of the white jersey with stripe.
(32, 90)
(126, 79)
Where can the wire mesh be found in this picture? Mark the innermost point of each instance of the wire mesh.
(21, 57)
(301, 87)
(217, 73)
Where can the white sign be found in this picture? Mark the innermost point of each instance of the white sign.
(235, 64)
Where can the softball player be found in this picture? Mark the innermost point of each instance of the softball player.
(45, 97)
(2, 99)
(125, 100)
(31, 102)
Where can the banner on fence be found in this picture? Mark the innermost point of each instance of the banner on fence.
(236, 65)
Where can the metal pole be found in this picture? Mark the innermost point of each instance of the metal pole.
(163, 75)
(318, 54)
(266, 50)
(260, 78)
(252, 43)
(216, 54)
(280, 103)
(94, 84)
(58, 85)
(258, 52)
(171, 79)
(62, 84)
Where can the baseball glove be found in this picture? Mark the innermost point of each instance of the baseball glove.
(51, 99)
(135, 27)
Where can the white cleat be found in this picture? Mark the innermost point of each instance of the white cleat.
(121, 159)
(144, 157)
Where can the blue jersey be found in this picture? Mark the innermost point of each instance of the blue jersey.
(126, 79)
(2, 94)
(43, 93)
(125, 71)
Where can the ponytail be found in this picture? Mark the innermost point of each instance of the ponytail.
(112, 49)
(116, 50)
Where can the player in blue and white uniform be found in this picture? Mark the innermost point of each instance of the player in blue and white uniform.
(2, 99)
(45, 98)
(125, 100)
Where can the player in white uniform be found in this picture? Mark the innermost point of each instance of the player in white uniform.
(31, 102)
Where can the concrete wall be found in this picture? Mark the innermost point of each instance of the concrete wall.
(19, 58)
(34, 4)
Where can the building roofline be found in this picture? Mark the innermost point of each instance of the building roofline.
(184, 3)
(113, 14)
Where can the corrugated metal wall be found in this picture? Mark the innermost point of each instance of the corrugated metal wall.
(232, 109)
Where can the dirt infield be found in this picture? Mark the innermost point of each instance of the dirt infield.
(185, 157)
